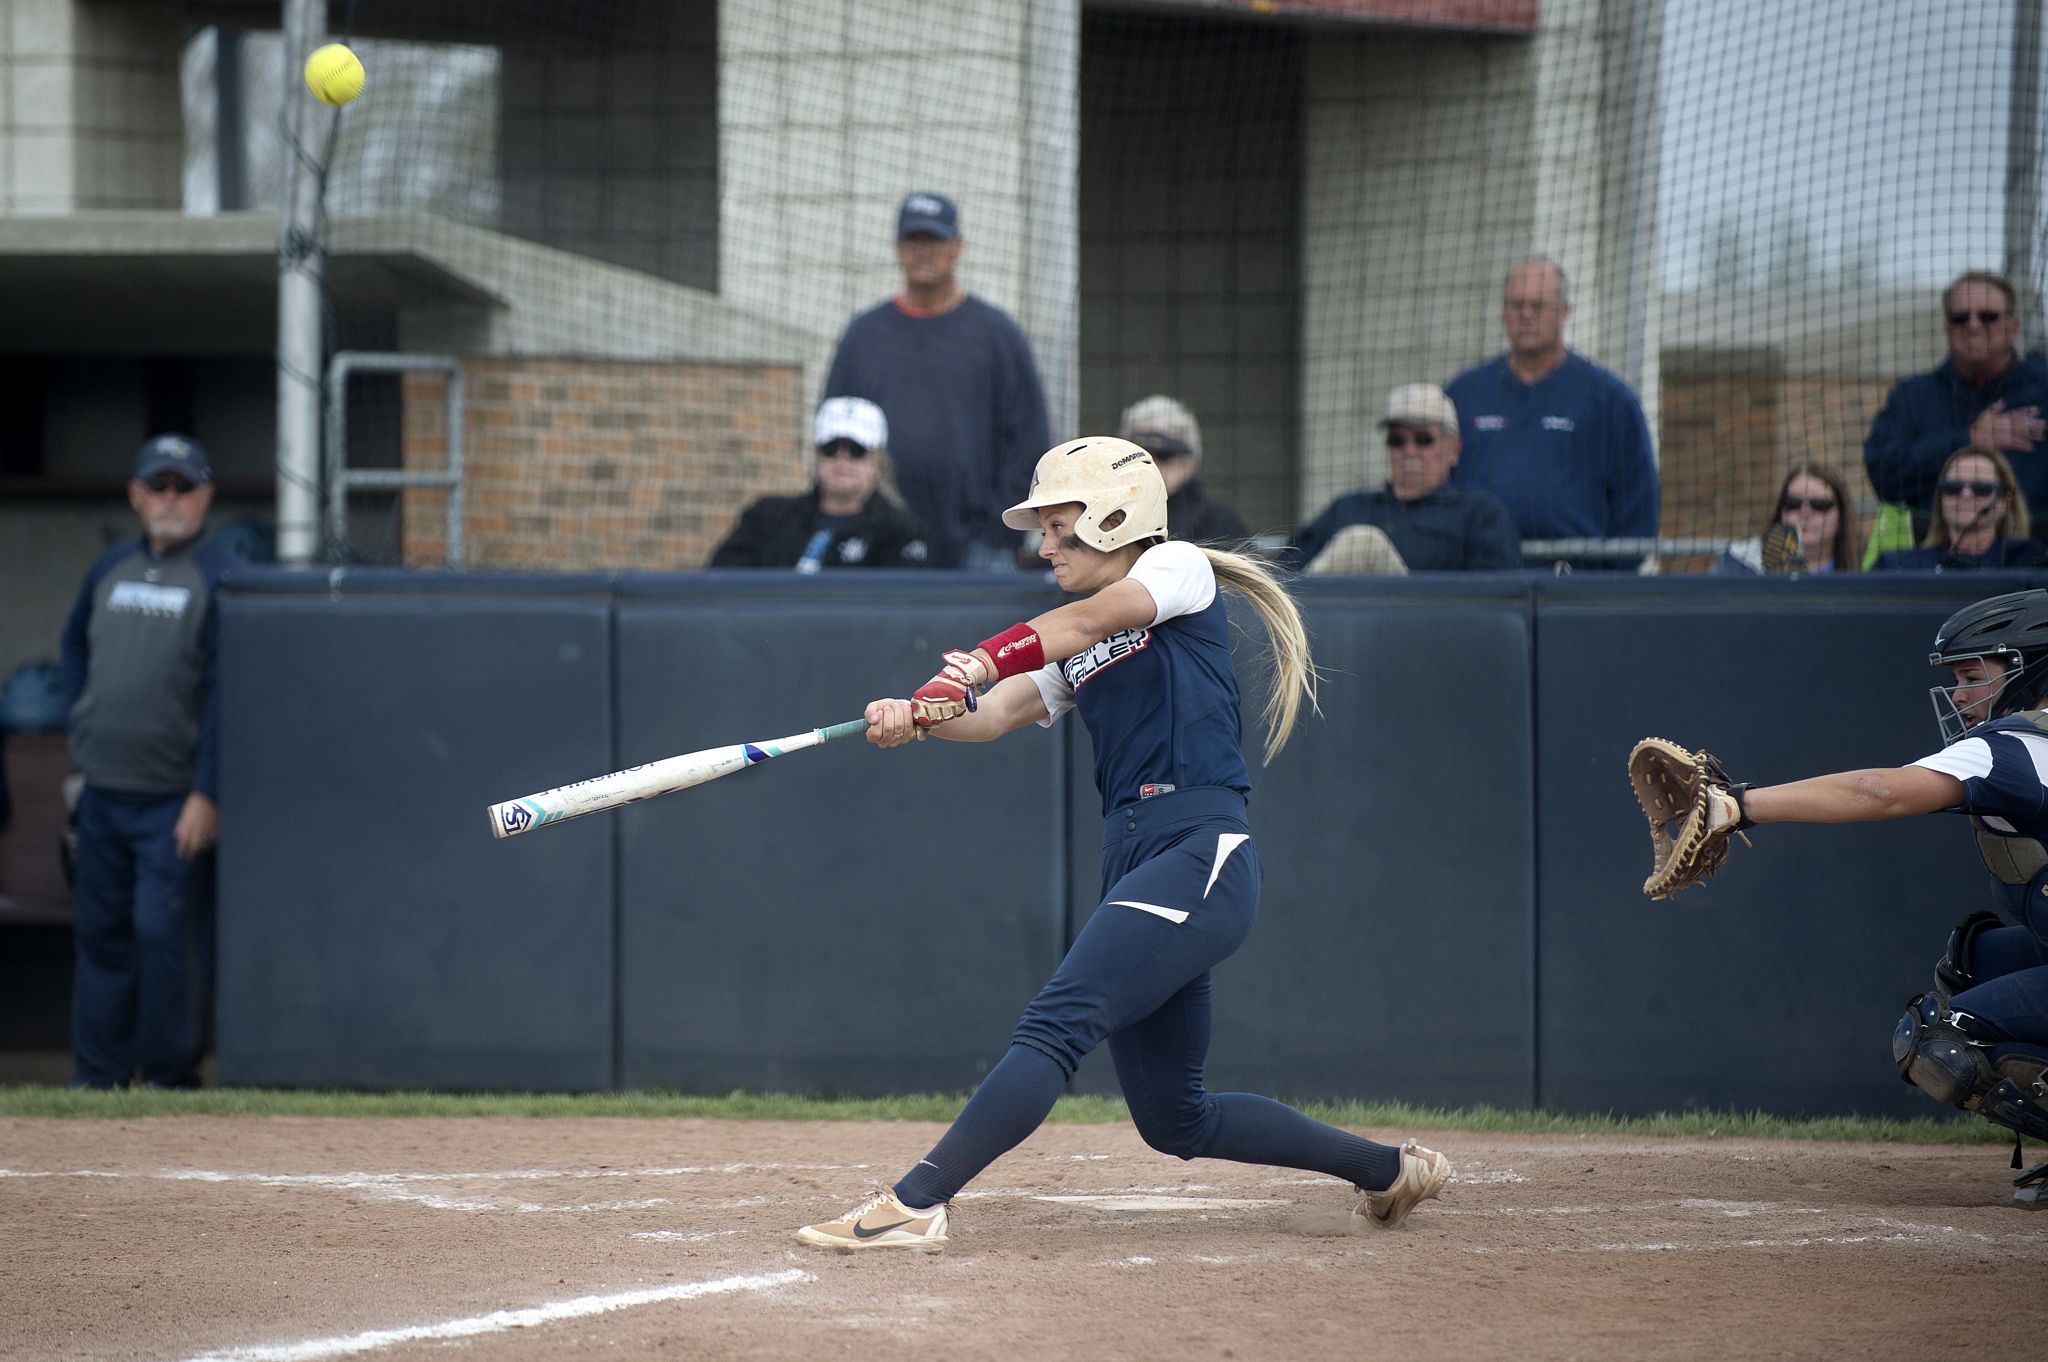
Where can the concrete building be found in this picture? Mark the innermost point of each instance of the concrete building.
(659, 216)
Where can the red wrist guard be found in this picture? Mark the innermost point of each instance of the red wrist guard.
(1015, 650)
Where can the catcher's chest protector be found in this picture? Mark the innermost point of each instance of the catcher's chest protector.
(2013, 860)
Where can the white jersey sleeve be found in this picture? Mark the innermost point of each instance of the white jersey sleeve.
(1179, 578)
(1054, 690)
(1180, 581)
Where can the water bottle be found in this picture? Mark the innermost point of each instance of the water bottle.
(814, 552)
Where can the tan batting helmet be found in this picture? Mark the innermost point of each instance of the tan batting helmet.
(1105, 475)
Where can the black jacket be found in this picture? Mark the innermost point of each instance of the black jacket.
(1450, 528)
(1191, 516)
(773, 532)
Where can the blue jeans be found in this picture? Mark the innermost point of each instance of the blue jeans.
(142, 920)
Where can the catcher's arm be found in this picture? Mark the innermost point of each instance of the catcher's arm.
(1870, 796)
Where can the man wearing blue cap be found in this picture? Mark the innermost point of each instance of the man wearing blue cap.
(955, 377)
(138, 668)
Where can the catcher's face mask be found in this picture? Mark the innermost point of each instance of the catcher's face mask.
(1979, 681)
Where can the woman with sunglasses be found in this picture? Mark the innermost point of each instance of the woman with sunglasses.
(851, 517)
(1815, 506)
(1980, 521)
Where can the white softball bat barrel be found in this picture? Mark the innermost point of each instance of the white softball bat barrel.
(528, 812)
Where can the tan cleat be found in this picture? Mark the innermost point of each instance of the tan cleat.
(1423, 1174)
(880, 1222)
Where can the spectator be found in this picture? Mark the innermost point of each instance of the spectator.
(1985, 395)
(1169, 432)
(1430, 526)
(1980, 521)
(849, 518)
(1558, 438)
(139, 673)
(956, 379)
(1824, 535)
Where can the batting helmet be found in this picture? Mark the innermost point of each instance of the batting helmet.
(2011, 629)
(1115, 482)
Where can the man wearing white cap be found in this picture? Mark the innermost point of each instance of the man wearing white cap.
(1432, 527)
(850, 517)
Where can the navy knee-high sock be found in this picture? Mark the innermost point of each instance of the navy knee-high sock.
(1011, 1102)
(1254, 1129)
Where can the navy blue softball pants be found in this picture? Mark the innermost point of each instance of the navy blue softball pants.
(1182, 890)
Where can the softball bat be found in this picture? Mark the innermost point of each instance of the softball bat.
(515, 816)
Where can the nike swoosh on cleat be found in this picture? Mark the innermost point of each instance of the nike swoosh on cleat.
(860, 1233)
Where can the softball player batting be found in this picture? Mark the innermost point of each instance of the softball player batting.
(1144, 655)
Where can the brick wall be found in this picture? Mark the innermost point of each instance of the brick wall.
(1733, 421)
(586, 465)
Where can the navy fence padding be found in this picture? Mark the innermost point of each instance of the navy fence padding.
(843, 919)
(372, 932)
(1777, 984)
(1393, 875)
(1452, 910)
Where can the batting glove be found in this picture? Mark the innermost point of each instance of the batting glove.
(939, 699)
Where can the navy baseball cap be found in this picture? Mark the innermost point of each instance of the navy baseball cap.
(927, 214)
(180, 454)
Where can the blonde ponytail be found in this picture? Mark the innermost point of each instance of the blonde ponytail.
(1294, 670)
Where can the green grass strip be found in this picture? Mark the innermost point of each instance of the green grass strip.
(33, 1101)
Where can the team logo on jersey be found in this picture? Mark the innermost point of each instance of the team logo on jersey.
(142, 598)
(1489, 423)
(1125, 643)
(1563, 423)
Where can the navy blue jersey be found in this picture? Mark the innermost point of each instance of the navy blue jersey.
(1160, 703)
(1570, 453)
(2004, 769)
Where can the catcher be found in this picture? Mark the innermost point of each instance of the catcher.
(1979, 1039)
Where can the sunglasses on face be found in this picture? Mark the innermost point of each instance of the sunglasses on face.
(170, 482)
(1401, 439)
(1955, 487)
(1793, 503)
(844, 449)
(1984, 315)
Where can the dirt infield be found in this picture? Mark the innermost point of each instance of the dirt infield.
(267, 1239)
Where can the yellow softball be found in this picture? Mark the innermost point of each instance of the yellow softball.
(334, 74)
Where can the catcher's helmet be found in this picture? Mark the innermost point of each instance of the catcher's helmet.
(1114, 481)
(2012, 630)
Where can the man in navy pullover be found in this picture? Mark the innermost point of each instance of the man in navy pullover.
(1558, 438)
(138, 668)
(1985, 395)
(956, 379)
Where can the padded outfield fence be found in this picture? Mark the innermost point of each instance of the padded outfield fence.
(1452, 912)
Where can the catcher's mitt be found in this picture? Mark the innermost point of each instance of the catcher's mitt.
(1692, 806)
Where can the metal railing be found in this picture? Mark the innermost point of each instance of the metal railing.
(342, 480)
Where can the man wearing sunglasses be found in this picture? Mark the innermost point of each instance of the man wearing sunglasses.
(1987, 394)
(138, 673)
(1432, 527)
